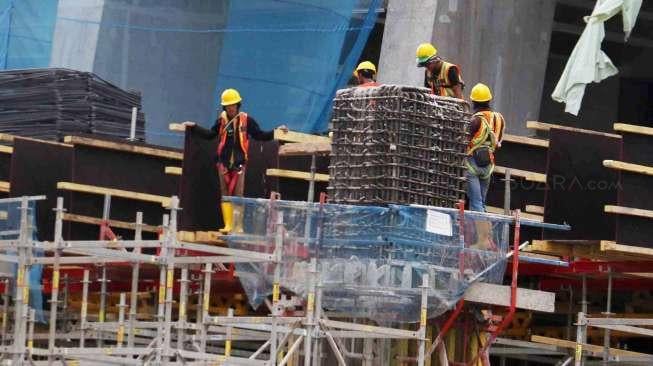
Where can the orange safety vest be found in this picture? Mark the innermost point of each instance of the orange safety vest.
(442, 85)
(241, 127)
(496, 122)
(484, 137)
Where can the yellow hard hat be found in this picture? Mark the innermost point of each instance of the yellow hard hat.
(365, 65)
(424, 53)
(230, 96)
(480, 93)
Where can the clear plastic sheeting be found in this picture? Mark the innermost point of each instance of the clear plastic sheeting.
(370, 260)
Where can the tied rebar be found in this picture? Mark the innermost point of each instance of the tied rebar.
(397, 144)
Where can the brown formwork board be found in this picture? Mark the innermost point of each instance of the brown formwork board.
(637, 143)
(199, 190)
(633, 210)
(36, 167)
(124, 166)
(578, 186)
(523, 153)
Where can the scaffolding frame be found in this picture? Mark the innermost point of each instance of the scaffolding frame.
(285, 339)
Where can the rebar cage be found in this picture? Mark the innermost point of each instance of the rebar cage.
(397, 144)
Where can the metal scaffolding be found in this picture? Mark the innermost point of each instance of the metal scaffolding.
(173, 336)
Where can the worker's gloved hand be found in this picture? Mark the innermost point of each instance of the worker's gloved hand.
(188, 124)
(283, 128)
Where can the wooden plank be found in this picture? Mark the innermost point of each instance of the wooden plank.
(588, 347)
(208, 237)
(177, 127)
(4, 186)
(112, 223)
(611, 247)
(85, 188)
(187, 236)
(6, 149)
(535, 209)
(294, 174)
(524, 215)
(625, 127)
(487, 293)
(305, 148)
(620, 210)
(173, 170)
(541, 126)
(568, 248)
(526, 140)
(628, 167)
(291, 136)
(5, 137)
(136, 149)
(530, 176)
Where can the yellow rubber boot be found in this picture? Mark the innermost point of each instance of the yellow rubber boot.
(238, 218)
(227, 217)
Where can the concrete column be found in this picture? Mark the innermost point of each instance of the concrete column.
(76, 34)
(502, 43)
(408, 23)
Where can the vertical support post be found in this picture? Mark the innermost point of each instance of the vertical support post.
(199, 309)
(311, 182)
(84, 310)
(227, 343)
(183, 301)
(206, 297)
(132, 130)
(5, 311)
(54, 297)
(569, 312)
(103, 303)
(583, 307)
(278, 247)
(22, 285)
(422, 320)
(133, 297)
(581, 333)
(169, 241)
(106, 209)
(120, 336)
(160, 314)
(608, 310)
(317, 346)
(30, 333)
(310, 312)
(368, 351)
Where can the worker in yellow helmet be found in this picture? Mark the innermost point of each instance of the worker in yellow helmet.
(443, 78)
(233, 128)
(365, 74)
(486, 132)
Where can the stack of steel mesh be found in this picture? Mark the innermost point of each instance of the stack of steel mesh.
(397, 144)
(50, 103)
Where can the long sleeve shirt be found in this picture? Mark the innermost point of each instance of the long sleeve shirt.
(232, 155)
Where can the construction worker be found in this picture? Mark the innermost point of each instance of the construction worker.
(481, 97)
(365, 73)
(443, 78)
(486, 131)
(233, 129)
